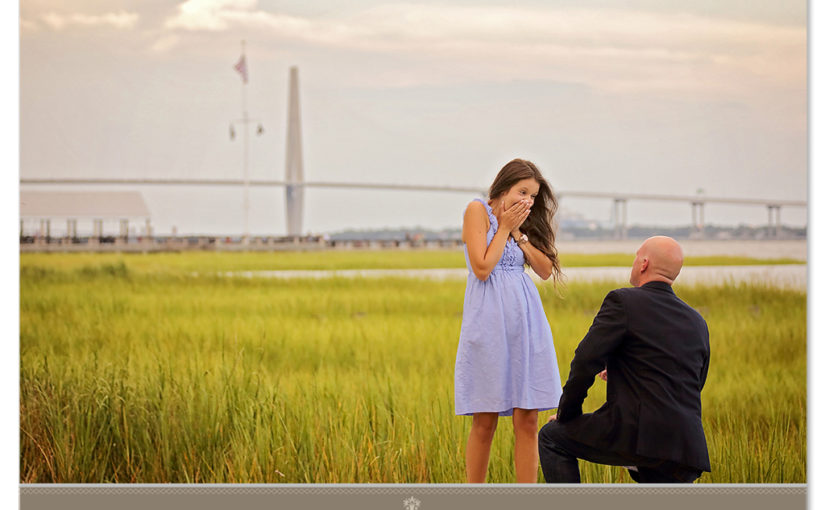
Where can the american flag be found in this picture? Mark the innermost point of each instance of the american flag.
(241, 68)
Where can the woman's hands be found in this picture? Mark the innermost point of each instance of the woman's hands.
(512, 218)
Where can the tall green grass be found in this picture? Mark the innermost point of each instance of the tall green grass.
(210, 262)
(130, 375)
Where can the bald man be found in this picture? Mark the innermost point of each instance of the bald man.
(653, 350)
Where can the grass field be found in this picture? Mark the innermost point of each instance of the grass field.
(210, 262)
(133, 370)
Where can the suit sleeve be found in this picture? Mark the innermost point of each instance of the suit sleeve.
(604, 336)
(704, 375)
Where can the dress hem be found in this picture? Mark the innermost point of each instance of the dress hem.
(506, 412)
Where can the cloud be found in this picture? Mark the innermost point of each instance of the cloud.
(404, 24)
(28, 25)
(119, 19)
(210, 14)
(608, 49)
(165, 43)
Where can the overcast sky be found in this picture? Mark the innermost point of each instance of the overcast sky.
(638, 96)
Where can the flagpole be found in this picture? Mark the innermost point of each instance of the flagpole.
(245, 154)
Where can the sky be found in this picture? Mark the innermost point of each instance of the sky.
(659, 97)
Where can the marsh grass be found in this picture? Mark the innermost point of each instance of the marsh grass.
(211, 262)
(130, 374)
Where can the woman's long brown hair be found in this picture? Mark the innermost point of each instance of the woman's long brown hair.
(539, 226)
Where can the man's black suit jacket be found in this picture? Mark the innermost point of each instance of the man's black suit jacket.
(656, 350)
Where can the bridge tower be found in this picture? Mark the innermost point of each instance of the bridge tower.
(294, 161)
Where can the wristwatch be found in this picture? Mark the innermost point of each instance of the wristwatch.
(522, 239)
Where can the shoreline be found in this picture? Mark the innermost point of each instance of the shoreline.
(792, 276)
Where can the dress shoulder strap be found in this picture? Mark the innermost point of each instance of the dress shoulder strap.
(486, 205)
(490, 215)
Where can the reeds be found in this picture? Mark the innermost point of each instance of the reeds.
(134, 374)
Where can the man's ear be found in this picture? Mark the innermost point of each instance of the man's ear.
(644, 265)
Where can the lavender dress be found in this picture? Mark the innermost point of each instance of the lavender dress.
(505, 353)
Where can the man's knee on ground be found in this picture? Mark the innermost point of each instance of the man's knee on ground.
(548, 434)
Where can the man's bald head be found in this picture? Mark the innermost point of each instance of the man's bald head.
(659, 258)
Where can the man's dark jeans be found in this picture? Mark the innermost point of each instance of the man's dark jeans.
(559, 454)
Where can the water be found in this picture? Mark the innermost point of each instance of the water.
(793, 276)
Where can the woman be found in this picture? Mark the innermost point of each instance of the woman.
(506, 363)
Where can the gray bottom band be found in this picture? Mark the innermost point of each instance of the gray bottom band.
(412, 497)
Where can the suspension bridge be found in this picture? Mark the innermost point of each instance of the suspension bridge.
(294, 186)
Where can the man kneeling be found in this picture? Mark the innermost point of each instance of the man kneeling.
(653, 349)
